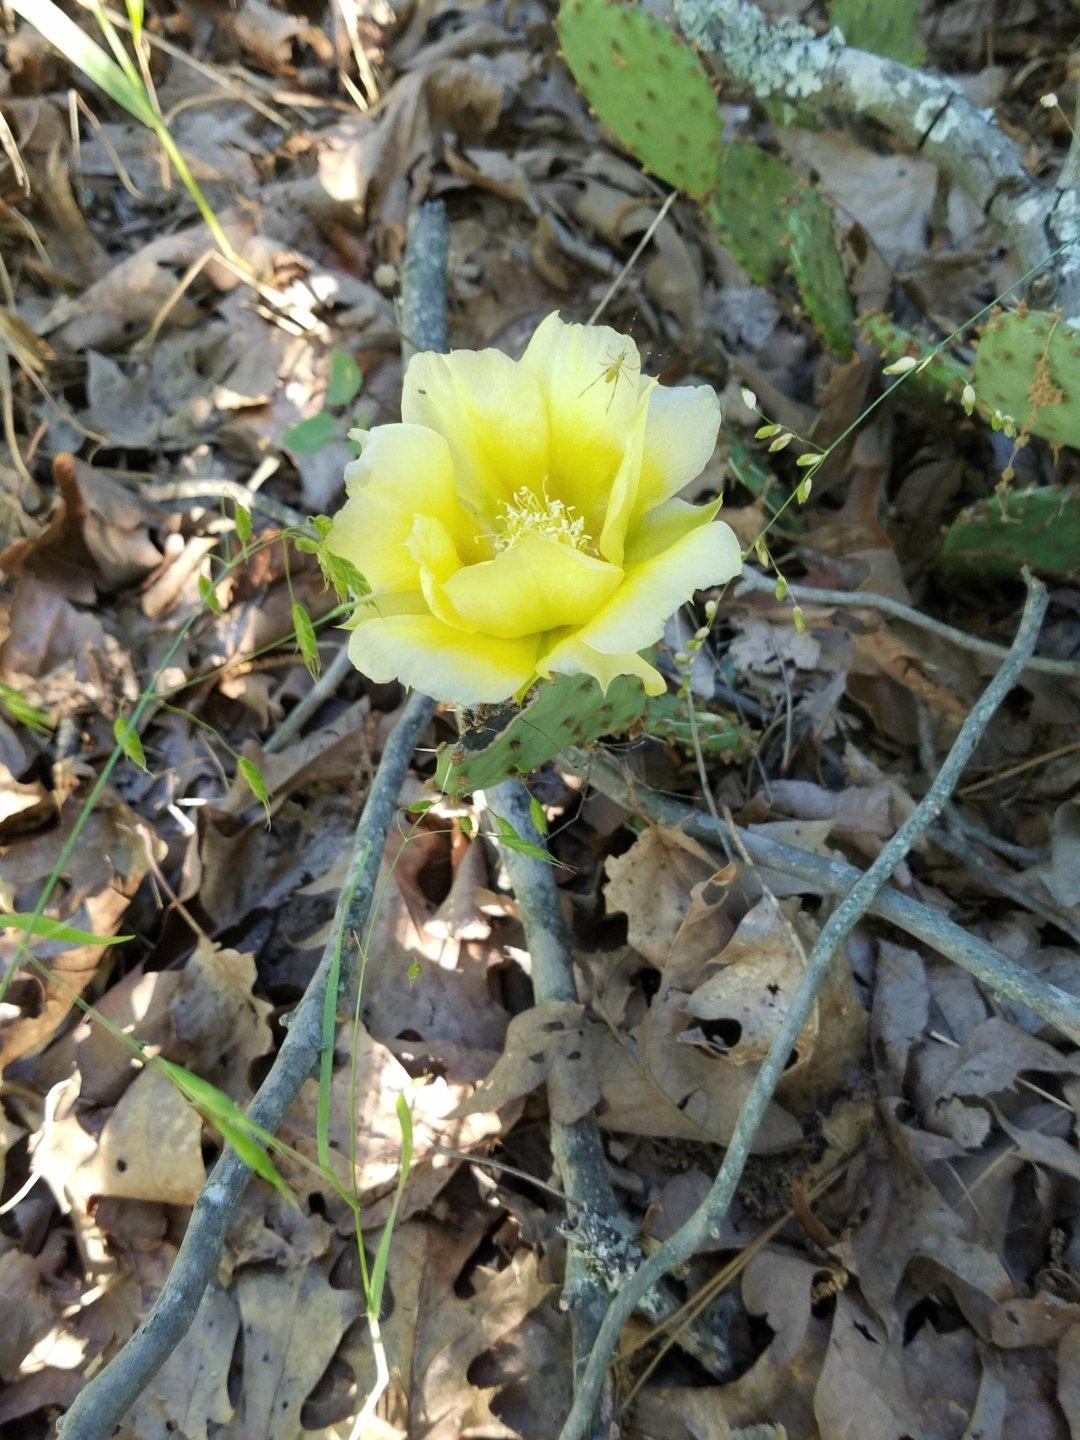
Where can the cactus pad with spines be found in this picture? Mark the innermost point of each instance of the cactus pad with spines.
(943, 378)
(647, 86)
(997, 537)
(721, 736)
(1028, 366)
(754, 193)
(884, 27)
(568, 710)
(819, 272)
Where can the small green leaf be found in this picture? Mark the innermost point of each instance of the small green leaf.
(466, 826)
(537, 816)
(309, 436)
(208, 594)
(243, 524)
(342, 575)
(127, 737)
(346, 378)
(23, 713)
(306, 641)
(420, 807)
(42, 927)
(222, 1113)
(414, 971)
(253, 778)
(509, 837)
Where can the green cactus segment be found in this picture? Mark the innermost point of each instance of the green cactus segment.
(890, 28)
(754, 193)
(997, 538)
(719, 736)
(819, 272)
(943, 379)
(502, 741)
(1028, 366)
(647, 86)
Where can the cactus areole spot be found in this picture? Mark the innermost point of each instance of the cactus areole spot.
(648, 87)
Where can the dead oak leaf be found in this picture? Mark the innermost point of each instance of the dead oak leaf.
(433, 1337)
(190, 1392)
(751, 992)
(549, 1044)
(652, 885)
(151, 1146)
(292, 1324)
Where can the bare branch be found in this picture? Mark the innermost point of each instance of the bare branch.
(707, 1220)
(860, 600)
(929, 112)
(100, 1405)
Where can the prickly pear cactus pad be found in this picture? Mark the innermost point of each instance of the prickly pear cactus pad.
(998, 537)
(1028, 366)
(943, 378)
(721, 736)
(884, 27)
(569, 710)
(819, 272)
(754, 194)
(647, 86)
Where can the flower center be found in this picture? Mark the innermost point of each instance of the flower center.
(530, 514)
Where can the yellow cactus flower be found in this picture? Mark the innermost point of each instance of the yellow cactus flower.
(522, 519)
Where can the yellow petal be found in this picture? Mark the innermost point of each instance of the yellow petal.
(432, 547)
(492, 415)
(535, 586)
(404, 471)
(661, 526)
(571, 657)
(421, 651)
(635, 616)
(680, 437)
(589, 377)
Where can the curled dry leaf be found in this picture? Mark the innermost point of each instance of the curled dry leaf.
(550, 1044)
(746, 1000)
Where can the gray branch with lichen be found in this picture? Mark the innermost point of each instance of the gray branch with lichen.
(785, 60)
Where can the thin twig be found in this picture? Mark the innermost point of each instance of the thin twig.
(101, 1404)
(577, 1149)
(322, 690)
(707, 1219)
(836, 877)
(423, 281)
(635, 254)
(862, 600)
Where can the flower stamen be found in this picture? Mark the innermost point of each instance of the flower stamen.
(530, 514)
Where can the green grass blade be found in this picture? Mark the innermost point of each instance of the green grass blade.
(44, 928)
(382, 1254)
(86, 54)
